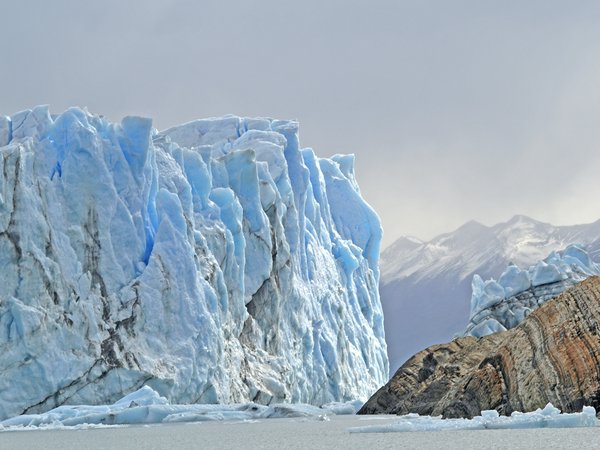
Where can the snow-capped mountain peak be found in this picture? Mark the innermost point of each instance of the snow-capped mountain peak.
(426, 289)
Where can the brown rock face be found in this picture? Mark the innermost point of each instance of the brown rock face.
(552, 356)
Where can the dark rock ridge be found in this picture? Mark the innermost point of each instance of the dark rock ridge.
(552, 356)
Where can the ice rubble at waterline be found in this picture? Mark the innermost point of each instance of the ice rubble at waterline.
(548, 417)
(146, 406)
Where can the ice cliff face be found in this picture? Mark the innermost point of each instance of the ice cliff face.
(503, 304)
(215, 262)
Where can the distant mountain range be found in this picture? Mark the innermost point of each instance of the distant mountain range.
(426, 286)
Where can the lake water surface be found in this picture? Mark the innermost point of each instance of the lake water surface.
(295, 434)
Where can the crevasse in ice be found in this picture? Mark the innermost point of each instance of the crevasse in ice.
(216, 261)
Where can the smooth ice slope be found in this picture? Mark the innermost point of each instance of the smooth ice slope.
(503, 304)
(215, 262)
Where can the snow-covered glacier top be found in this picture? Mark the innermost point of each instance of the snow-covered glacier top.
(503, 304)
(216, 261)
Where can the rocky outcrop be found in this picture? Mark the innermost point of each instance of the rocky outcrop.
(552, 356)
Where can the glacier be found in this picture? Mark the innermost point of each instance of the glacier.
(500, 305)
(215, 262)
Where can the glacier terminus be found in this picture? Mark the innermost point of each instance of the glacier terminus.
(215, 262)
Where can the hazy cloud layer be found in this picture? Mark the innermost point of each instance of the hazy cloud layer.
(456, 110)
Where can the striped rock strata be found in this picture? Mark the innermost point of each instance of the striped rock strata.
(552, 356)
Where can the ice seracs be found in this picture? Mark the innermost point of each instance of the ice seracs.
(499, 305)
(216, 261)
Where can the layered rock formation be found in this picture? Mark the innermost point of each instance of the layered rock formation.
(552, 356)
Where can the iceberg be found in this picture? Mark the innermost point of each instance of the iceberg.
(548, 417)
(146, 406)
(215, 262)
(500, 305)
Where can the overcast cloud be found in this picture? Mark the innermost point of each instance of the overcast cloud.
(456, 110)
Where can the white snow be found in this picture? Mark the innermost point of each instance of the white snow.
(216, 261)
(146, 406)
(548, 417)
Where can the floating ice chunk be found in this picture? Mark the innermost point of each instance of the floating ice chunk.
(490, 414)
(549, 410)
(147, 406)
(142, 397)
(415, 422)
(589, 411)
(549, 417)
(211, 416)
(293, 410)
(343, 408)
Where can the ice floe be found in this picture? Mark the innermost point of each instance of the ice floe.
(146, 406)
(548, 417)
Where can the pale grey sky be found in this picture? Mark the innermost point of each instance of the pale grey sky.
(456, 110)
